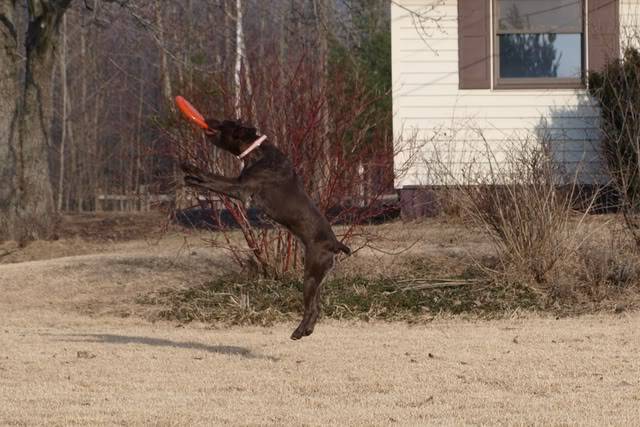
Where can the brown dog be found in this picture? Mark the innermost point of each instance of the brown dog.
(269, 180)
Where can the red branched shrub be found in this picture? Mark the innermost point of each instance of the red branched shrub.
(327, 131)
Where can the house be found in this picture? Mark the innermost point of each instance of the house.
(472, 76)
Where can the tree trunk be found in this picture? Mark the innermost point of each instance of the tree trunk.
(323, 170)
(29, 211)
(9, 91)
(137, 164)
(241, 69)
(91, 117)
(167, 90)
(237, 71)
(228, 41)
(65, 113)
(85, 193)
(76, 183)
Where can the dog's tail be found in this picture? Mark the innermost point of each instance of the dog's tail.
(340, 247)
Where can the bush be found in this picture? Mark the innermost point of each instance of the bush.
(524, 203)
(338, 143)
(617, 90)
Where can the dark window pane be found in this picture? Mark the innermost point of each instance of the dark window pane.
(540, 55)
(544, 16)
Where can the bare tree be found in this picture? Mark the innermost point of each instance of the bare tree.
(241, 70)
(29, 209)
(9, 88)
(321, 12)
(167, 88)
(116, 75)
(65, 112)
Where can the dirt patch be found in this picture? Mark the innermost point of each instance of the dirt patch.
(114, 226)
(108, 280)
(84, 234)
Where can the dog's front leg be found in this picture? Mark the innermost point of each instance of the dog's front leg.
(218, 184)
(231, 187)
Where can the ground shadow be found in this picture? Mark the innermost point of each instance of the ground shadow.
(160, 342)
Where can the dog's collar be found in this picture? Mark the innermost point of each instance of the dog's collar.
(253, 146)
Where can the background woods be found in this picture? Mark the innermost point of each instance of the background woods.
(102, 134)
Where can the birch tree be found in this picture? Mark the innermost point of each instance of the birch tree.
(321, 17)
(237, 73)
(241, 69)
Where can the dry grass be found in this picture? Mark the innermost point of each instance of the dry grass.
(68, 356)
(64, 369)
(233, 300)
(103, 279)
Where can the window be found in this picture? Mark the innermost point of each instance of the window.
(539, 43)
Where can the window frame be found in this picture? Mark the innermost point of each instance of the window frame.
(537, 82)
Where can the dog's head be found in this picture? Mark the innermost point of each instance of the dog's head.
(230, 135)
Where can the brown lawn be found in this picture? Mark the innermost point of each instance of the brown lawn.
(75, 349)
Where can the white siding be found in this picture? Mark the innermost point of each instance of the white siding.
(629, 20)
(450, 124)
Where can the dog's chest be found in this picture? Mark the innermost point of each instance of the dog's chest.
(261, 201)
(271, 204)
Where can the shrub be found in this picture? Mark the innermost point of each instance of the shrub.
(524, 203)
(617, 90)
(339, 145)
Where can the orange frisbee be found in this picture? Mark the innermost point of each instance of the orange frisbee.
(190, 112)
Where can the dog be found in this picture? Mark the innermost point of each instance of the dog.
(270, 181)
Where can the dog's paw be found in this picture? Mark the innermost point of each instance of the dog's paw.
(302, 331)
(298, 333)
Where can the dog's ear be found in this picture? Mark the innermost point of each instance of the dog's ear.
(244, 132)
(213, 124)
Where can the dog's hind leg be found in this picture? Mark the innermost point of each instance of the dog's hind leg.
(316, 268)
(310, 288)
(316, 312)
